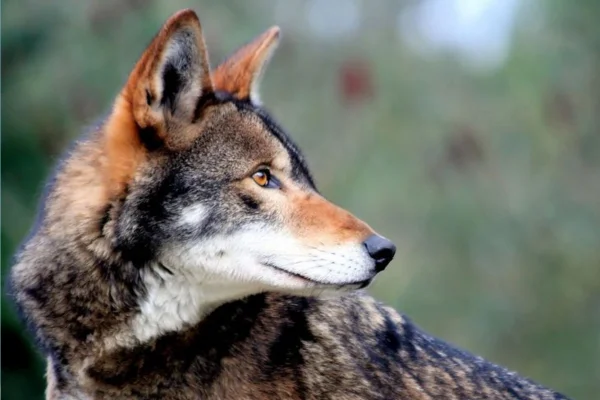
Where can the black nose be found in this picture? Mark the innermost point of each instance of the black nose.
(381, 250)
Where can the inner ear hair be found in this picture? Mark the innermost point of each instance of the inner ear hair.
(181, 74)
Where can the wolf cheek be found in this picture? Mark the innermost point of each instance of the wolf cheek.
(283, 235)
(271, 257)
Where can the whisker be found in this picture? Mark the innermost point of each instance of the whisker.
(294, 263)
(333, 253)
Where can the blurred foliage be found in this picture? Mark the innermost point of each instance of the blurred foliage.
(488, 182)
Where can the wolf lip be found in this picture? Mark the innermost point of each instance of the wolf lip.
(268, 264)
(361, 283)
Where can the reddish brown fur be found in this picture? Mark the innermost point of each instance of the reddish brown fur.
(239, 72)
(323, 223)
(124, 150)
(131, 112)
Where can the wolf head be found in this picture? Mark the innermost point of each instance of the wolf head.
(209, 187)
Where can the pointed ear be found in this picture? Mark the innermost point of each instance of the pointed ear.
(240, 74)
(161, 93)
(172, 73)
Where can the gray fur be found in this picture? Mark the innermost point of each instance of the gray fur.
(85, 275)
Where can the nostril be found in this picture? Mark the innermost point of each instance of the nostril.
(381, 250)
(383, 255)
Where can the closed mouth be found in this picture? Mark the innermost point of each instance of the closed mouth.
(361, 284)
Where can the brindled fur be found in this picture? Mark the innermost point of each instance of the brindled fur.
(183, 252)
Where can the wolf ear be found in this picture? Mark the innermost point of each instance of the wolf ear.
(240, 74)
(162, 91)
(172, 73)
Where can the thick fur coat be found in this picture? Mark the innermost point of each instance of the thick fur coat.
(183, 252)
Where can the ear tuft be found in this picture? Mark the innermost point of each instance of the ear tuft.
(241, 73)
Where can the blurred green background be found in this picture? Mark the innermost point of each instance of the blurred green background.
(468, 131)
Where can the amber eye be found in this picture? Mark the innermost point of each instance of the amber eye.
(262, 177)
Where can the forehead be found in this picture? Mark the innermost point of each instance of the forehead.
(238, 133)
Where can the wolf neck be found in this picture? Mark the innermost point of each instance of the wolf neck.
(173, 302)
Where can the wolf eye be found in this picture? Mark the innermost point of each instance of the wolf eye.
(264, 179)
